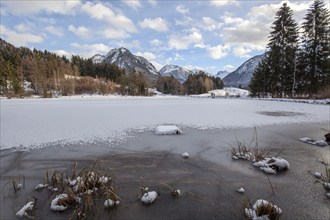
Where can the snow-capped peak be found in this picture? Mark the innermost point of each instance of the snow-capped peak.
(180, 73)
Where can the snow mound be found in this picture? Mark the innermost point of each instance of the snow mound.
(40, 186)
(320, 143)
(55, 203)
(110, 203)
(263, 205)
(23, 211)
(185, 155)
(241, 190)
(168, 129)
(149, 197)
(272, 165)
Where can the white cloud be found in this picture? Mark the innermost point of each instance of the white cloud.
(33, 7)
(219, 51)
(89, 50)
(206, 23)
(210, 24)
(182, 10)
(135, 4)
(58, 31)
(135, 44)
(180, 42)
(63, 53)
(113, 33)
(229, 68)
(152, 2)
(22, 27)
(148, 55)
(158, 24)
(19, 39)
(80, 31)
(156, 42)
(115, 21)
(220, 3)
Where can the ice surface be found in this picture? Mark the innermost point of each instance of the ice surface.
(36, 123)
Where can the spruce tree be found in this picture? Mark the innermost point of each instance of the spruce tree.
(260, 81)
(314, 63)
(282, 48)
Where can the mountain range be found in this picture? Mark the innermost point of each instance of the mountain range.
(132, 63)
(241, 77)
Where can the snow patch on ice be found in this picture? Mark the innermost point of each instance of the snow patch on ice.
(320, 143)
(149, 197)
(23, 211)
(168, 129)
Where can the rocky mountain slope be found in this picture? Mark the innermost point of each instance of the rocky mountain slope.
(243, 74)
(128, 61)
(180, 73)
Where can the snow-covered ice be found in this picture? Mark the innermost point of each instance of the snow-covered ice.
(37, 123)
(168, 129)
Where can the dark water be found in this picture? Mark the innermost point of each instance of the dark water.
(208, 180)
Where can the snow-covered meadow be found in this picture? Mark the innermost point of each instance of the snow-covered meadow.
(35, 123)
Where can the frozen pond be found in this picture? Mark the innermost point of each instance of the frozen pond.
(35, 123)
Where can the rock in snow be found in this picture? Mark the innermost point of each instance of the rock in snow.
(23, 211)
(149, 197)
(320, 143)
(272, 165)
(185, 155)
(109, 203)
(241, 190)
(168, 129)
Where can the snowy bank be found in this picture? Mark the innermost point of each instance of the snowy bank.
(39, 123)
(168, 129)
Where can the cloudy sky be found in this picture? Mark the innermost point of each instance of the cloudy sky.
(209, 35)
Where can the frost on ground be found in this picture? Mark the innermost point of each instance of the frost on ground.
(272, 165)
(320, 143)
(263, 209)
(168, 129)
(24, 211)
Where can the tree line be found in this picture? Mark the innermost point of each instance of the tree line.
(51, 75)
(297, 63)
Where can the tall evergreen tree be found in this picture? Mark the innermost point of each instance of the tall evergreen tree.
(282, 49)
(260, 81)
(314, 59)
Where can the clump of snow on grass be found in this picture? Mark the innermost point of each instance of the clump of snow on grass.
(168, 129)
(110, 203)
(320, 143)
(260, 207)
(272, 165)
(185, 155)
(55, 203)
(149, 197)
(23, 212)
(241, 190)
(40, 186)
(317, 175)
(326, 185)
(241, 155)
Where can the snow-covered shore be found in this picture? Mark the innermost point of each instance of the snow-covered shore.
(35, 123)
